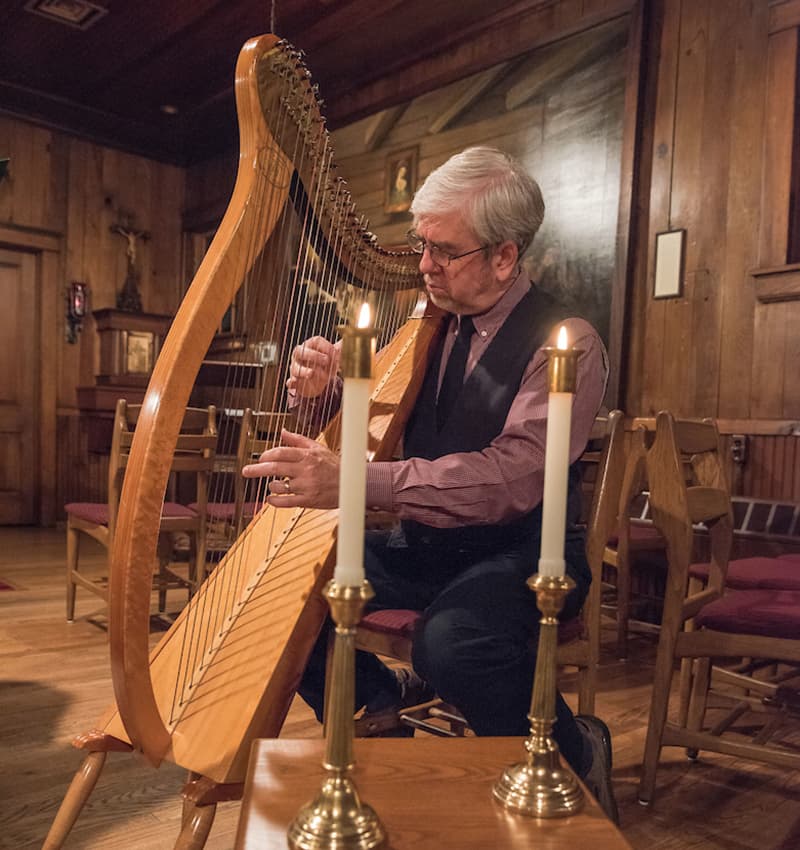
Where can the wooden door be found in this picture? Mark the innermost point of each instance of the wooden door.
(19, 334)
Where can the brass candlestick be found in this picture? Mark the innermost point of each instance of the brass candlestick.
(562, 369)
(539, 786)
(337, 819)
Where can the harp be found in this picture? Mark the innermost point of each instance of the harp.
(227, 669)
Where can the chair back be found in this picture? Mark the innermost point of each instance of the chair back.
(688, 487)
(608, 482)
(260, 430)
(195, 451)
(192, 465)
(583, 650)
(121, 439)
(634, 479)
(195, 454)
(701, 624)
(610, 459)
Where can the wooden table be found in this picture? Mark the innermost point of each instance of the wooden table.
(428, 792)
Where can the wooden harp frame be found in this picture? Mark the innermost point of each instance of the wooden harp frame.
(262, 156)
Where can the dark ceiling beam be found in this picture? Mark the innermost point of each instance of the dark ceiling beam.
(468, 96)
(496, 39)
(380, 125)
(104, 128)
(587, 48)
(340, 17)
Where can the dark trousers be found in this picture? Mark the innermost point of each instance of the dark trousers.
(476, 642)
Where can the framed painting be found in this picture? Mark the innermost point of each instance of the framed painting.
(139, 352)
(400, 180)
(669, 264)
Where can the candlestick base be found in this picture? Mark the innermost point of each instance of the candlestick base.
(336, 819)
(539, 786)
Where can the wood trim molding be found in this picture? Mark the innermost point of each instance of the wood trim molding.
(47, 245)
(52, 307)
(29, 237)
(783, 15)
(759, 427)
(781, 283)
(629, 190)
(778, 136)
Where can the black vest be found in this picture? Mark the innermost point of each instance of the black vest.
(479, 415)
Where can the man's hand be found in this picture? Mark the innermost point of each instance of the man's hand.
(314, 363)
(305, 474)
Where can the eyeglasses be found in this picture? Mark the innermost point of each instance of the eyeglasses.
(438, 255)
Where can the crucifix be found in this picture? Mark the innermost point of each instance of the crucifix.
(129, 298)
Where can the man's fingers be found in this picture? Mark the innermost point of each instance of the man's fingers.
(290, 439)
(282, 454)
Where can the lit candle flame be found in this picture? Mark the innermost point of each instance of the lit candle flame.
(363, 316)
(562, 338)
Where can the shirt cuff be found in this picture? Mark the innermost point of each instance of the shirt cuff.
(379, 486)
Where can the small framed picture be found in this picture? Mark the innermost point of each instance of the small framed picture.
(139, 352)
(670, 250)
(400, 180)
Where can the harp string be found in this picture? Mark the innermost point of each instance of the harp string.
(302, 540)
(198, 635)
(198, 638)
(311, 251)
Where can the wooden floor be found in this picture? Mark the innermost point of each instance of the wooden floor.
(54, 684)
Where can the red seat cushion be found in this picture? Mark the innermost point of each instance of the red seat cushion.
(94, 512)
(97, 512)
(401, 622)
(757, 573)
(220, 511)
(790, 556)
(391, 621)
(768, 613)
(175, 510)
(250, 509)
(225, 511)
(642, 535)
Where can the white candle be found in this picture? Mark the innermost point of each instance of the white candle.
(556, 463)
(349, 570)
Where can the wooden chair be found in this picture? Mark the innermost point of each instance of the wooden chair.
(194, 454)
(258, 431)
(390, 632)
(629, 540)
(583, 650)
(704, 623)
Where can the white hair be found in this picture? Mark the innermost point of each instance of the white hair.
(499, 200)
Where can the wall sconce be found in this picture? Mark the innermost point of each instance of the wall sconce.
(4, 161)
(77, 295)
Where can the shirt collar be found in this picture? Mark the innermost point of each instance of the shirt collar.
(488, 323)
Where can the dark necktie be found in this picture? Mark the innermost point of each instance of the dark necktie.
(453, 378)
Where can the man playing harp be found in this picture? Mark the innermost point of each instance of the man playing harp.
(468, 490)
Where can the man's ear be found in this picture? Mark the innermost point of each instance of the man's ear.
(505, 259)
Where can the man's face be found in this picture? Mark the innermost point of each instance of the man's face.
(469, 285)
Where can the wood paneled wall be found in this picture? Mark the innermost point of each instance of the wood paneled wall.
(70, 192)
(713, 156)
(716, 160)
(720, 120)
